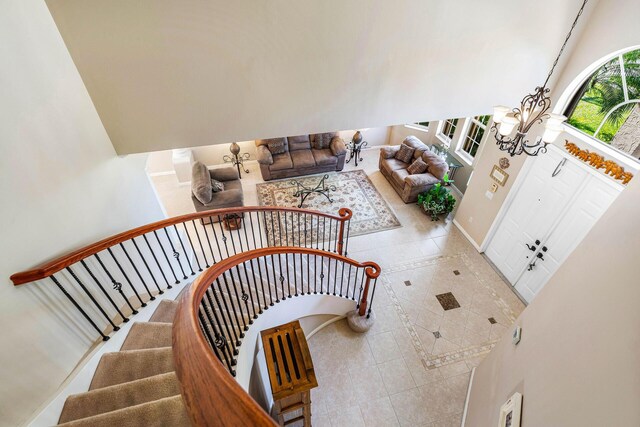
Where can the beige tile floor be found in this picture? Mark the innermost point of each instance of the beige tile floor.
(399, 373)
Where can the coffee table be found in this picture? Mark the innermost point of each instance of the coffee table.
(321, 187)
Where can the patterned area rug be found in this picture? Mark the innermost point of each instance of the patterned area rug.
(354, 190)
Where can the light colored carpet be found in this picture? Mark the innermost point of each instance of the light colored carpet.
(354, 190)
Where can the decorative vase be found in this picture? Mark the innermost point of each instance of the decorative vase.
(357, 138)
(235, 148)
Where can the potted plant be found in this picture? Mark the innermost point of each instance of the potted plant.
(437, 201)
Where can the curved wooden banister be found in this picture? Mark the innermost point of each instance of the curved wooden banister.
(212, 395)
(58, 264)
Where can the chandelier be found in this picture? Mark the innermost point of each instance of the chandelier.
(533, 109)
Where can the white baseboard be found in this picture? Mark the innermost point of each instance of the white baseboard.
(464, 232)
(466, 401)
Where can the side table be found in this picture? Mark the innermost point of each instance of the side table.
(237, 159)
(354, 149)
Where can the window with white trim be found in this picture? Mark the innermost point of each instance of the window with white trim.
(607, 105)
(475, 129)
(446, 130)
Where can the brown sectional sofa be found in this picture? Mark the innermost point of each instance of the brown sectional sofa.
(406, 185)
(300, 155)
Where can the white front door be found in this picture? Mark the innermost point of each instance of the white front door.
(540, 201)
(591, 202)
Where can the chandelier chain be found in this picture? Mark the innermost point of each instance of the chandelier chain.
(566, 40)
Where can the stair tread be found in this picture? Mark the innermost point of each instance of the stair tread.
(148, 335)
(124, 366)
(169, 411)
(119, 396)
(166, 312)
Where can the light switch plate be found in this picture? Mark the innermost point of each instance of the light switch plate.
(517, 334)
(489, 194)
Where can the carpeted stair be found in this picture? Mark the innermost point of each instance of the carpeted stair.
(136, 386)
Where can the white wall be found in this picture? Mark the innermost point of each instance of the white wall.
(61, 186)
(210, 155)
(167, 74)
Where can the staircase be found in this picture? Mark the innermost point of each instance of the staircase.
(136, 386)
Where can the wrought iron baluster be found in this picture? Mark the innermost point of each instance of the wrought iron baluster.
(218, 326)
(242, 325)
(257, 288)
(116, 285)
(226, 321)
(153, 254)
(144, 261)
(193, 249)
(125, 319)
(135, 291)
(224, 241)
(280, 228)
(91, 297)
(166, 257)
(184, 251)
(373, 293)
(308, 275)
(346, 243)
(260, 229)
(244, 298)
(329, 236)
(355, 288)
(295, 275)
(204, 253)
(244, 293)
(246, 237)
(315, 275)
(206, 235)
(224, 238)
(275, 280)
(253, 231)
(73, 301)
(137, 272)
(233, 308)
(176, 254)
(286, 263)
(361, 287)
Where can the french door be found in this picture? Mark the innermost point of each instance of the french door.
(555, 207)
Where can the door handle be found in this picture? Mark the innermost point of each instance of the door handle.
(531, 248)
(540, 256)
(559, 167)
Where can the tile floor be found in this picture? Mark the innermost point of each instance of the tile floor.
(413, 366)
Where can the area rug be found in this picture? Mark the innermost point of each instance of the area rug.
(354, 190)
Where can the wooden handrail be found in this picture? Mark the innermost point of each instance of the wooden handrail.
(212, 396)
(52, 267)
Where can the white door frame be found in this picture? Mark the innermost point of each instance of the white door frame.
(524, 171)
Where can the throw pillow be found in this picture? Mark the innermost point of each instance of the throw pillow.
(405, 153)
(418, 166)
(216, 186)
(276, 146)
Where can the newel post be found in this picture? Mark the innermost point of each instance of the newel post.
(345, 216)
(362, 310)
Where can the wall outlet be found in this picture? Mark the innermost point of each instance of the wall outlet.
(517, 334)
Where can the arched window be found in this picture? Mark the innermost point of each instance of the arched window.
(607, 105)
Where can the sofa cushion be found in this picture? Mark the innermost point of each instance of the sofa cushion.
(216, 186)
(324, 157)
(300, 142)
(418, 166)
(281, 162)
(419, 146)
(405, 153)
(421, 180)
(224, 174)
(430, 157)
(201, 183)
(302, 159)
(399, 175)
(392, 164)
(438, 169)
(277, 145)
